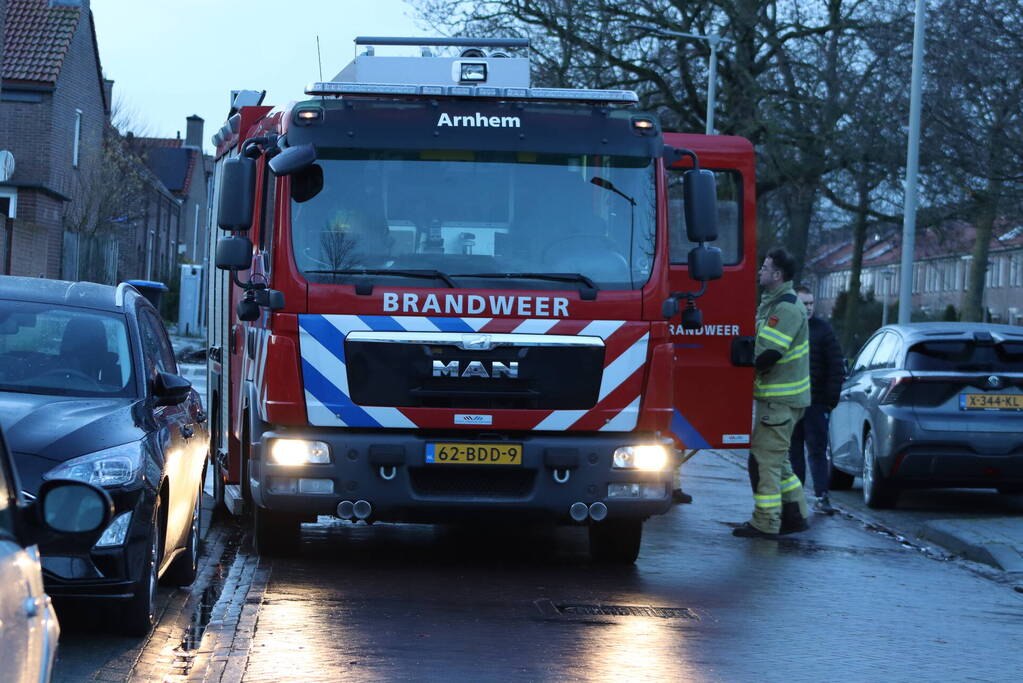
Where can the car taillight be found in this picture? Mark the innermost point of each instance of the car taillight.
(897, 386)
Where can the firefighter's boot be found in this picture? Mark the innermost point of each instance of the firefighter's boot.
(792, 520)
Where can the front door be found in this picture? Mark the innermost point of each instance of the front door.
(714, 397)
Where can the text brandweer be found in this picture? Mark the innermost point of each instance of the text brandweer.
(479, 121)
(474, 304)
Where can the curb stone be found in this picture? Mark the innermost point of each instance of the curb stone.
(979, 541)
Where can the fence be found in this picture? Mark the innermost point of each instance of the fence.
(89, 257)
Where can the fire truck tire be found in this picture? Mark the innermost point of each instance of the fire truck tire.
(616, 541)
(274, 532)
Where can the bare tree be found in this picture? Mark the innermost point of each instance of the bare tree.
(786, 80)
(972, 112)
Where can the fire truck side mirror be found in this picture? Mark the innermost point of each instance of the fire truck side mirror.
(237, 194)
(293, 159)
(670, 308)
(704, 263)
(234, 253)
(700, 191)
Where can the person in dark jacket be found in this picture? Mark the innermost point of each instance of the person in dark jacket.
(827, 371)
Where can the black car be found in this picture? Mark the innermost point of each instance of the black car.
(929, 405)
(89, 391)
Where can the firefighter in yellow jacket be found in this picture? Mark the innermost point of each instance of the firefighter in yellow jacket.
(781, 390)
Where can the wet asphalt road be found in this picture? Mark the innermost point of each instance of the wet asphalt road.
(837, 603)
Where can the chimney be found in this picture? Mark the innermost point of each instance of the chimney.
(193, 131)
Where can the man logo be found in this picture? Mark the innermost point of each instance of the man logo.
(476, 342)
(476, 368)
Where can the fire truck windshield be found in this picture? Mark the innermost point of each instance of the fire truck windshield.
(470, 212)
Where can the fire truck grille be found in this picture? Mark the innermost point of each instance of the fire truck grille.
(444, 376)
(464, 482)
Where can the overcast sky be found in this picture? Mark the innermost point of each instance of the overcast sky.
(172, 59)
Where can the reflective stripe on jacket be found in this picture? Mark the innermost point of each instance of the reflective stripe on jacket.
(782, 327)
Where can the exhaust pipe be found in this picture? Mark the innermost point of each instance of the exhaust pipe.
(598, 511)
(362, 509)
(578, 511)
(345, 509)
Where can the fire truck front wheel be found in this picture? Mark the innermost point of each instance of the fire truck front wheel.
(275, 532)
(616, 541)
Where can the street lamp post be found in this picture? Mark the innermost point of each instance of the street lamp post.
(912, 161)
(715, 41)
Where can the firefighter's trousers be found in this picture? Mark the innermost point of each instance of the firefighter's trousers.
(774, 483)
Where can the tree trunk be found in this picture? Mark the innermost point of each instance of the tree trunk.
(799, 203)
(973, 306)
(852, 297)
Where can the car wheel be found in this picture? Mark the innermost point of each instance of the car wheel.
(616, 541)
(274, 532)
(185, 566)
(139, 612)
(1010, 490)
(878, 493)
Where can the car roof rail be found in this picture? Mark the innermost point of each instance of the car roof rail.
(122, 289)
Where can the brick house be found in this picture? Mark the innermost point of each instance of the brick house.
(940, 270)
(53, 110)
(81, 202)
(187, 173)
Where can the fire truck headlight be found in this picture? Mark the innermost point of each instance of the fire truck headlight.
(651, 458)
(299, 452)
(473, 72)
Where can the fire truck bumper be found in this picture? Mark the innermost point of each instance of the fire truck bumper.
(398, 477)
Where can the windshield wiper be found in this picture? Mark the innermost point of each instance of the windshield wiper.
(588, 293)
(428, 274)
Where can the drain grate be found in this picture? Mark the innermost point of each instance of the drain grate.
(551, 609)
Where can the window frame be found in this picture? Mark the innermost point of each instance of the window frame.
(890, 362)
(740, 217)
(76, 145)
(856, 368)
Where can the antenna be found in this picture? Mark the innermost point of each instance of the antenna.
(319, 58)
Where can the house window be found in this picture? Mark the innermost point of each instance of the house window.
(9, 202)
(78, 138)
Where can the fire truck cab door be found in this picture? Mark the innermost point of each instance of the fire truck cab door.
(713, 395)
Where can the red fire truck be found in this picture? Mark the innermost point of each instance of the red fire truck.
(444, 294)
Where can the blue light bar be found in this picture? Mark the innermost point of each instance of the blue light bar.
(483, 92)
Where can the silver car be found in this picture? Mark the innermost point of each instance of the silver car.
(67, 510)
(930, 405)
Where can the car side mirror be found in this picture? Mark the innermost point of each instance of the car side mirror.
(170, 389)
(71, 513)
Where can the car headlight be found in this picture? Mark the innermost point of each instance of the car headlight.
(650, 458)
(299, 452)
(111, 467)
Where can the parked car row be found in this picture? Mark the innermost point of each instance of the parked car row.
(931, 405)
(90, 393)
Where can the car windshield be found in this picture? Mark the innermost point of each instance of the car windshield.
(965, 356)
(48, 349)
(463, 213)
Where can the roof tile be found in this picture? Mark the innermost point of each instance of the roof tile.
(36, 39)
